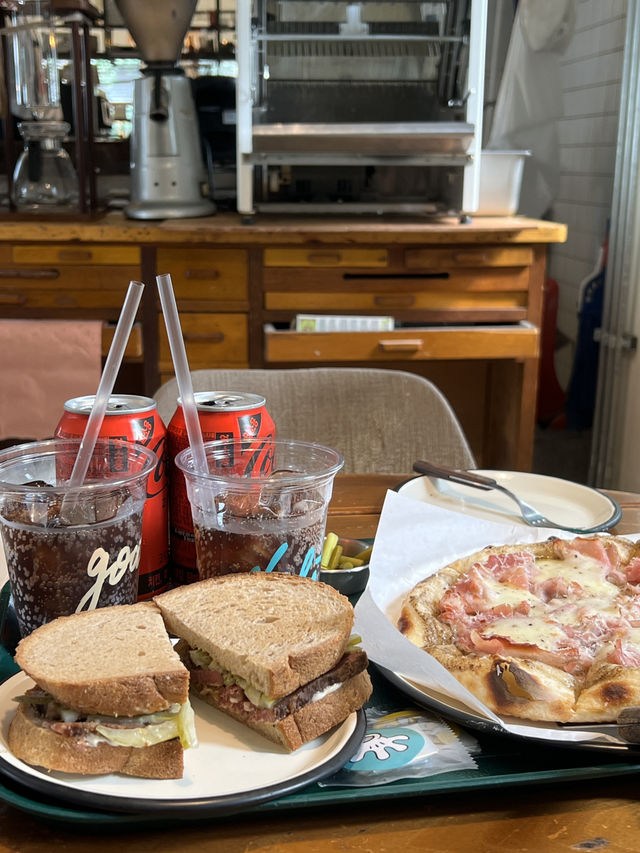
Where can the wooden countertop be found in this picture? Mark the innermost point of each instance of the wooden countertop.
(227, 228)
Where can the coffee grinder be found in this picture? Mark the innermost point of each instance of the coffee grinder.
(168, 177)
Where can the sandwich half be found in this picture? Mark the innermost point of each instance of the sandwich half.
(271, 650)
(111, 696)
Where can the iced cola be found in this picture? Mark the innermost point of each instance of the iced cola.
(67, 549)
(277, 522)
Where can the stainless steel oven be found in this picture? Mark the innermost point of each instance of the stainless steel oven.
(366, 106)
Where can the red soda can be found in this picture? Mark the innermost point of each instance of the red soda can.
(134, 418)
(222, 415)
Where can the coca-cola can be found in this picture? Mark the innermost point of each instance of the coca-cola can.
(222, 415)
(134, 418)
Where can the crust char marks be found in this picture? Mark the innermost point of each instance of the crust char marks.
(609, 688)
(520, 688)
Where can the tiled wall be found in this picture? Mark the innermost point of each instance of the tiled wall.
(591, 70)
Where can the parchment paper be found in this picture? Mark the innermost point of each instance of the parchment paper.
(415, 539)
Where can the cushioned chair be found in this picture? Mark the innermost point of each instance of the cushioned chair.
(380, 420)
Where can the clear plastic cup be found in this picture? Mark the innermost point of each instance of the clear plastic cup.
(260, 520)
(71, 549)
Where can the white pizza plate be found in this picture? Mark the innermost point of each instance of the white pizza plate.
(232, 767)
(567, 503)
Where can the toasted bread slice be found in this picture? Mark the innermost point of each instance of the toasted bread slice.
(37, 745)
(117, 661)
(274, 630)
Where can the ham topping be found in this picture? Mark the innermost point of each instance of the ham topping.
(624, 654)
(572, 622)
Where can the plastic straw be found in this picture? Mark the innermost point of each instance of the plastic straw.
(107, 381)
(183, 376)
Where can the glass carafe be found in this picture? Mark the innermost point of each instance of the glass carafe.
(44, 176)
(34, 83)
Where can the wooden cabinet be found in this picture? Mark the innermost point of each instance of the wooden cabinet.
(466, 300)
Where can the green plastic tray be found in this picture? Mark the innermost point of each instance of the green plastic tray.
(501, 761)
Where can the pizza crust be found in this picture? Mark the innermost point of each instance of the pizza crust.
(509, 687)
(607, 690)
(517, 686)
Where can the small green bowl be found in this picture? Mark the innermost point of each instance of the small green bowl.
(348, 581)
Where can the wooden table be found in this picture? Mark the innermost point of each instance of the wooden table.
(576, 816)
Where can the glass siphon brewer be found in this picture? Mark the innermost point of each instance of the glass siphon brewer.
(44, 175)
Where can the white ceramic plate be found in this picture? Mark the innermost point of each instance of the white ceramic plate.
(232, 767)
(567, 503)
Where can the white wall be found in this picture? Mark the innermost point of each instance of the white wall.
(591, 68)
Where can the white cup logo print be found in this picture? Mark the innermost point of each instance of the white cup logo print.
(98, 567)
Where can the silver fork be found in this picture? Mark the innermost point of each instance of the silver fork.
(529, 514)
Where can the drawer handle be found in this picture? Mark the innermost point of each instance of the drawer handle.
(12, 299)
(66, 301)
(394, 301)
(74, 255)
(202, 275)
(400, 345)
(324, 257)
(474, 257)
(215, 338)
(37, 274)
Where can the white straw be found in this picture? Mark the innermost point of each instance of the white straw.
(183, 376)
(107, 381)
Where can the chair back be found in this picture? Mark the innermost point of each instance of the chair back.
(380, 420)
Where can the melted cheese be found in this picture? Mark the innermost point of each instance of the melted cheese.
(577, 612)
(632, 637)
(533, 629)
(504, 593)
(583, 570)
(584, 625)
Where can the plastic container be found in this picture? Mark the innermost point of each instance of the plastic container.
(500, 182)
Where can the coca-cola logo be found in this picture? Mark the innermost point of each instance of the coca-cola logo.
(98, 567)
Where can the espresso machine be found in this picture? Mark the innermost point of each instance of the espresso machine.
(168, 176)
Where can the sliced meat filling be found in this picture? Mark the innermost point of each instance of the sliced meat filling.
(50, 714)
(233, 698)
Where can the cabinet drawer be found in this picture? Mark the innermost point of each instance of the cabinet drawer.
(415, 344)
(209, 275)
(211, 340)
(76, 254)
(491, 295)
(52, 287)
(326, 257)
(469, 256)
